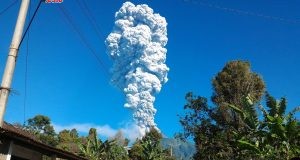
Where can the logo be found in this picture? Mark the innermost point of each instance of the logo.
(53, 1)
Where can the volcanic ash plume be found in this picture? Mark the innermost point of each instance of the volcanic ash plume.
(136, 45)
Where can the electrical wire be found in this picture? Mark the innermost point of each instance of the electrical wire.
(8, 7)
(30, 22)
(82, 38)
(26, 71)
(242, 12)
(87, 12)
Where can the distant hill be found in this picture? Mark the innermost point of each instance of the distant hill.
(181, 150)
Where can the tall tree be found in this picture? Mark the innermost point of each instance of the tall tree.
(199, 123)
(42, 128)
(231, 85)
(68, 139)
(232, 129)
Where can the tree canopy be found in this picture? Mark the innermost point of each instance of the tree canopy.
(228, 127)
(232, 129)
(234, 82)
(42, 128)
(230, 86)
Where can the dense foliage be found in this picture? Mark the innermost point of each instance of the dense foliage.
(233, 129)
(93, 148)
(41, 127)
(150, 148)
(68, 140)
(233, 83)
(275, 136)
(234, 125)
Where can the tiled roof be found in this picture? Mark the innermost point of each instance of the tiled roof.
(27, 139)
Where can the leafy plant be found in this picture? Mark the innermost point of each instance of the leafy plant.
(276, 136)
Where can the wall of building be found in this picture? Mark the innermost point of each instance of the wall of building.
(4, 148)
(8, 149)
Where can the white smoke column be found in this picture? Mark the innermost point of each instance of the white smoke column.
(136, 45)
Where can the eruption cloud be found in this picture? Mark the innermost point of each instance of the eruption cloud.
(137, 47)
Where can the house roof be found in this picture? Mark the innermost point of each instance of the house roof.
(28, 140)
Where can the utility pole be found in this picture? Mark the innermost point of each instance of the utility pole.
(12, 58)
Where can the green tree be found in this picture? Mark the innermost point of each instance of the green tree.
(42, 128)
(213, 128)
(151, 145)
(136, 151)
(276, 136)
(233, 83)
(116, 151)
(232, 129)
(149, 148)
(211, 139)
(118, 148)
(68, 140)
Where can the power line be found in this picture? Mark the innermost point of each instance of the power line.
(242, 12)
(87, 12)
(26, 72)
(27, 32)
(82, 38)
(31, 20)
(8, 7)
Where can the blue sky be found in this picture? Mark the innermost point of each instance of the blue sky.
(66, 82)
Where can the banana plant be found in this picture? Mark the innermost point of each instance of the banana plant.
(284, 131)
(152, 150)
(275, 136)
(93, 148)
(246, 141)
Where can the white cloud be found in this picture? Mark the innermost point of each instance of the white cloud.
(130, 131)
